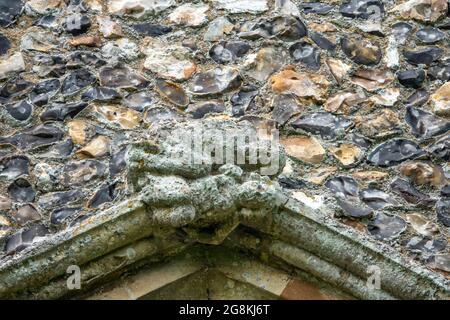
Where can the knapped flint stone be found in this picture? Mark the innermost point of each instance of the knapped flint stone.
(138, 101)
(441, 71)
(59, 199)
(5, 44)
(23, 239)
(15, 87)
(63, 149)
(118, 162)
(37, 136)
(386, 227)
(286, 28)
(361, 51)
(43, 91)
(201, 109)
(408, 192)
(425, 245)
(424, 124)
(430, 35)
(82, 172)
(291, 183)
(60, 111)
(284, 108)
(76, 24)
(81, 59)
(105, 194)
(59, 216)
(48, 21)
(228, 51)
(172, 92)
(353, 208)
(361, 141)
(322, 41)
(425, 55)
(241, 100)
(401, 30)
(100, 94)
(20, 111)
(151, 29)
(323, 123)
(26, 214)
(343, 187)
(441, 149)
(13, 167)
(363, 9)
(393, 152)
(121, 77)
(21, 191)
(307, 54)
(9, 11)
(418, 98)
(316, 7)
(76, 81)
(377, 199)
(443, 212)
(411, 78)
(216, 81)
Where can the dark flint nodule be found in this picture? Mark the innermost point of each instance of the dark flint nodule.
(60, 111)
(76, 24)
(426, 245)
(63, 149)
(200, 110)
(100, 94)
(43, 91)
(411, 78)
(158, 114)
(305, 53)
(58, 199)
(443, 212)
(418, 98)
(83, 172)
(21, 191)
(361, 51)
(430, 35)
(121, 77)
(353, 208)
(423, 55)
(172, 92)
(9, 11)
(441, 71)
(118, 162)
(15, 87)
(408, 192)
(376, 199)
(5, 44)
(47, 21)
(286, 28)
(59, 216)
(445, 191)
(284, 108)
(241, 100)
(151, 29)
(22, 239)
(291, 183)
(138, 101)
(386, 227)
(362, 9)
(26, 214)
(393, 152)
(360, 140)
(80, 59)
(424, 124)
(13, 167)
(323, 123)
(316, 7)
(401, 30)
(322, 41)
(77, 81)
(343, 187)
(441, 149)
(37, 136)
(20, 111)
(105, 194)
(228, 51)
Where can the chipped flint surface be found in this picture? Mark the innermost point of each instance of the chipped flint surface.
(375, 111)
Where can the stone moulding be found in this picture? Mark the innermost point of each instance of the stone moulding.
(121, 237)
